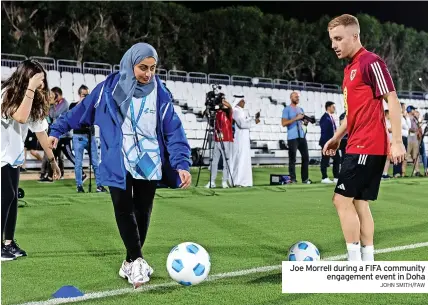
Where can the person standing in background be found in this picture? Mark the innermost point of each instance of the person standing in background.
(328, 128)
(80, 143)
(242, 170)
(292, 118)
(412, 140)
(399, 170)
(422, 151)
(223, 138)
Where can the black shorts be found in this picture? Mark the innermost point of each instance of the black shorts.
(360, 176)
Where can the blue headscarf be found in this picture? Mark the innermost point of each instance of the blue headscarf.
(128, 86)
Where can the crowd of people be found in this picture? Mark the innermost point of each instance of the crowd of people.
(412, 128)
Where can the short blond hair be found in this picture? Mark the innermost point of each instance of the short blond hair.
(345, 20)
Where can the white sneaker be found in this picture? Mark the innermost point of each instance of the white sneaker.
(327, 181)
(208, 185)
(225, 185)
(125, 270)
(140, 273)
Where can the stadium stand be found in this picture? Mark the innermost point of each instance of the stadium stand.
(189, 89)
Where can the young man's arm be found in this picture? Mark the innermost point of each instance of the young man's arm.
(376, 74)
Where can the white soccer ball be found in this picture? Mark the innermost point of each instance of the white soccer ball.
(303, 251)
(188, 264)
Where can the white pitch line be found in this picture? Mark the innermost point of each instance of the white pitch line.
(110, 293)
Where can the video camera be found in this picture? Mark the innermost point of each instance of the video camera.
(214, 98)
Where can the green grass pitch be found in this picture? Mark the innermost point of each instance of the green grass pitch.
(72, 239)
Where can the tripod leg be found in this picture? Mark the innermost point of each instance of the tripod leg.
(201, 155)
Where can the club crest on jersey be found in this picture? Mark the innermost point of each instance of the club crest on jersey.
(353, 73)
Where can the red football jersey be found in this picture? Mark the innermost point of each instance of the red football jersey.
(366, 80)
(224, 126)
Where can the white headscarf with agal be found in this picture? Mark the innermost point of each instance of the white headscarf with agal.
(238, 97)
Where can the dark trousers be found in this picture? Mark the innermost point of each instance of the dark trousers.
(398, 169)
(325, 162)
(132, 208)
(301, 145)
(9, 201)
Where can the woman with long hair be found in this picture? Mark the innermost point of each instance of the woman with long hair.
(24, 106)
(143, 144)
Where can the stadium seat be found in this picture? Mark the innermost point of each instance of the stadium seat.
(5, 73)
(99, 78)
(78, 79)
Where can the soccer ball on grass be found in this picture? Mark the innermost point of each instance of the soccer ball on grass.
(303, 251)
(188, 264)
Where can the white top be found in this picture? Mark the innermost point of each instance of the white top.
(13, 135)
(143, 111)
(405, 125)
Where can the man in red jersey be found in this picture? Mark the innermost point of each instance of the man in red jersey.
(223, 138)
(366, 84)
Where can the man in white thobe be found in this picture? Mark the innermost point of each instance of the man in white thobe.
(242, 171)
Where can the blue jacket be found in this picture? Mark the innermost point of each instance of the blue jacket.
(327, 130)
(99, 108)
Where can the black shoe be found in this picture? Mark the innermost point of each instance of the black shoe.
(14, 249)
(418, 174)
(45, 179)
(101, 189)
(80, 189)
(6, 255)
(309, 181)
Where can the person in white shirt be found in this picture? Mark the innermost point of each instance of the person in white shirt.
(24, 106)
(242, 171)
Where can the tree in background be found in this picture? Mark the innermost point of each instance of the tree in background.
(233, 40)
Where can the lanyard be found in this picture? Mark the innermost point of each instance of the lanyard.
(135, 122)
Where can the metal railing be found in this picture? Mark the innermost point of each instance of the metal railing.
(177, 75)
(222, 79)
(11, 60)
(197, 77)
(47, 62)
(97, 68)
(239, 80)
(72, 66)
(66, 65)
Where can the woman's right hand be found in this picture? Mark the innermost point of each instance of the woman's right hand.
(53, 142)
(36, 81)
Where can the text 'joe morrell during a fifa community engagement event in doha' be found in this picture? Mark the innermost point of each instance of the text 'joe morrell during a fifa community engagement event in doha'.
(354, 277)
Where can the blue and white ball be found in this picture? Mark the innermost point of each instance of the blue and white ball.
(188, 264)
(304, 251)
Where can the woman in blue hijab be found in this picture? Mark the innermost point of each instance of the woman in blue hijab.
(143, 144)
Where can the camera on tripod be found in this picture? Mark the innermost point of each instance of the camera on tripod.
(214, 98)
